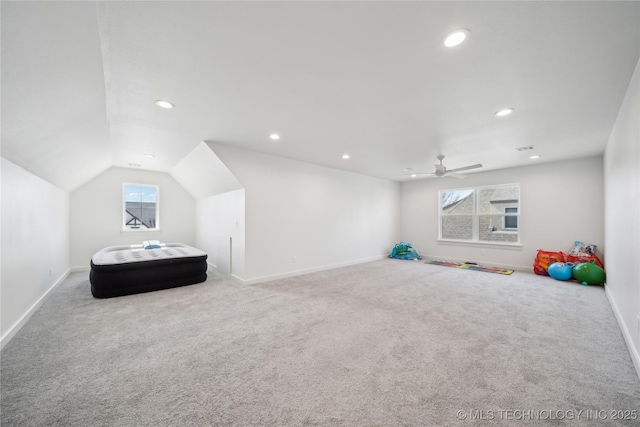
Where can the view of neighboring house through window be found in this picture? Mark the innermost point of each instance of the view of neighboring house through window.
(482, 215)
(457, 209)
(510, 221)
(140, 207)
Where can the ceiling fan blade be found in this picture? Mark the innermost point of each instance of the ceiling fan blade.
(466, 168)
(419, 173)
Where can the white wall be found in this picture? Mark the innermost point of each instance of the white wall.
(622, 217)
(561, 202)
(220, 218)
(35, 243)
(96, 213)
(302, 217)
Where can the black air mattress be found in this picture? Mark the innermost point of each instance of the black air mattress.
(126, 270)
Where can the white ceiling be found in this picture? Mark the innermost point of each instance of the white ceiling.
(79, 81)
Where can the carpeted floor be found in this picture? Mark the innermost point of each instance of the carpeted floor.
(386, 343)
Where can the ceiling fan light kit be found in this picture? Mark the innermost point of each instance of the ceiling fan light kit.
(442, 171)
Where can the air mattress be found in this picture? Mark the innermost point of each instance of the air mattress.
(126, 270)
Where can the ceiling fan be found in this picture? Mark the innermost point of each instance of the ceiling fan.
(441, 170)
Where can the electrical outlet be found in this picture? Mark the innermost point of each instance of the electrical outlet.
(50, 272)
(294, 259)
(638, 317)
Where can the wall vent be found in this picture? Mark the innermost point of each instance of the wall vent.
(527, 148)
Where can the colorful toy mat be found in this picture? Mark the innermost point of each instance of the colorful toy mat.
(470, 267)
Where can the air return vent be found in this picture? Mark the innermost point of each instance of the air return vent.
(527, 148)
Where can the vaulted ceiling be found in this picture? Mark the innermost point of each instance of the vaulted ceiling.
(371, 79)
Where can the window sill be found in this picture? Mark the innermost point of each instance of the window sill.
(141, 230)
(500, 245)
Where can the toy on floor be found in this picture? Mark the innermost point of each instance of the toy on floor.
(544, 259)
(589, 273)
(561, 270)
(404, 251)
(470, 266)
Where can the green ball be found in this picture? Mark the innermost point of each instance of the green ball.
(588, 274)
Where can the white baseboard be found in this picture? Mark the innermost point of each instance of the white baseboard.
(522, 268)
(635, 357)
(294, 273)
(238, 279)
(20, 323)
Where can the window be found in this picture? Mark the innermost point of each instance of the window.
(140, 206)
(511, 221)
(481, 215)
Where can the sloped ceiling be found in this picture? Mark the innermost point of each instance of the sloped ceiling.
(54, 120)
(203, 174)
(371, 79)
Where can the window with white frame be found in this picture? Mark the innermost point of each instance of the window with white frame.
(481, 215)
(140, 207)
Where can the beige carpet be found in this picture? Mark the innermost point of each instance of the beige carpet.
(386, 343)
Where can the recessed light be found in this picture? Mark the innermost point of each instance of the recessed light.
(535, 157)
(151, 156)
(345, 156)
(455, 38)
(413, 175)
(164, 104)
(505, 112)
(274, 136)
